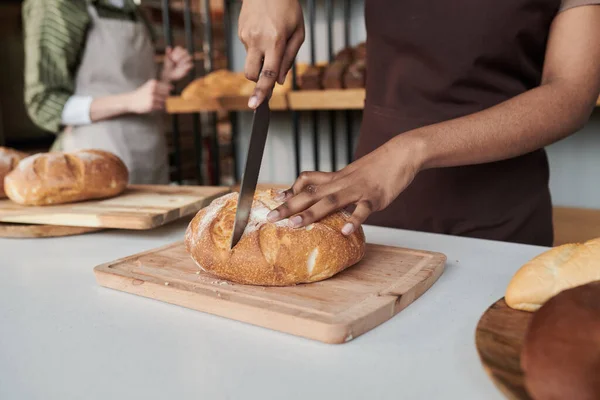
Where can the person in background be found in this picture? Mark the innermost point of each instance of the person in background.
(91, 78)
(462, 97)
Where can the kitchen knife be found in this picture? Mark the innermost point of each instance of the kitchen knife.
(258, 138)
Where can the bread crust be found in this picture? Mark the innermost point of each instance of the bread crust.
(270, 254)
(58, 178)
(561, 350)
(9, 158)
(553, 271)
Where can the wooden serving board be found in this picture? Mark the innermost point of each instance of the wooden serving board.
(139, 207)
(41, 231)
(499, 339)
(336, 310)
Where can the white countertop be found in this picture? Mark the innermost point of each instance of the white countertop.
(64, 337)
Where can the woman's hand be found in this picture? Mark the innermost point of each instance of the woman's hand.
(370, 183)
(272, 32)
(177, 64)
(151, 96)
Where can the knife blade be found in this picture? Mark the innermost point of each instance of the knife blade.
(258, 138)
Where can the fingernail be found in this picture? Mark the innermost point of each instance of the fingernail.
(272, 216)
(348, 229)
(295, 221)
(280, 196)
(253, 102)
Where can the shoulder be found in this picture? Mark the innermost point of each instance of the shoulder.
(57, 7)
(568, 4)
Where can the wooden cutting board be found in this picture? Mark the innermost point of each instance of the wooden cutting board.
(41, 231)
(139, 207)
(499, 339)
(336, 310)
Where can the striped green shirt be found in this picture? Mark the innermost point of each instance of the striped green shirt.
(55, 33)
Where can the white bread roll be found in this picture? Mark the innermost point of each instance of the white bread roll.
(56, 178)
(560, 268)
(270, 254)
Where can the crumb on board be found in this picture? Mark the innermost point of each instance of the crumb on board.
(197, 272)
(166, 283)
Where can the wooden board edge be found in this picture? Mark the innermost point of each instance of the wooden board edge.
(378, 310)
(215, 305)
(499, 382)
(157, 221)
(338, 99)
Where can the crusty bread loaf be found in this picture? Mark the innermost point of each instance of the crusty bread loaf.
(9, 159)
(561, 351)
(553, 271)
(55, 178)
(270, 254)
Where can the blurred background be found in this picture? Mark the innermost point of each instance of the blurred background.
(316, 131)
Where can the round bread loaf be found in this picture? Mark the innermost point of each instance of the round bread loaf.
(270, 254)
(561, 351)
(56, 178)
(553, 271)
(9, 159)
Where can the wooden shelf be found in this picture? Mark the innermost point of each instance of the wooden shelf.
(179, 105)
(344, 99)
(350, 99)
(240, 103)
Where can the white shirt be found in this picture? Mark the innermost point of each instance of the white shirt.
(77, 108)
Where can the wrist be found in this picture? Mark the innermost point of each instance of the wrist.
(414, 148)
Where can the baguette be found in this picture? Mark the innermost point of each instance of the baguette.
(9, 159)
(270, 254)
(57, 178)
(553, 271)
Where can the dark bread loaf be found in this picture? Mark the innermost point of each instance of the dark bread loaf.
(311, 78)
(333, 76)
(356, 74)
(561, 351)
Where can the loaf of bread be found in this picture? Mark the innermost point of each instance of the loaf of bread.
(56, 178)
(360, 51)
(356, 75)
(270, 254)
(9, 159)
(311, 78)
(553, 271)
(561, 351)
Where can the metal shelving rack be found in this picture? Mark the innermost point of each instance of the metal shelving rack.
(297, 103)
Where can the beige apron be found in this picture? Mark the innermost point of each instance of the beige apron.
(118, 58)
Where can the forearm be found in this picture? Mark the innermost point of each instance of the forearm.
(518, 126)
(107, 107)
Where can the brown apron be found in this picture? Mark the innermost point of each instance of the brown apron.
(434, 60)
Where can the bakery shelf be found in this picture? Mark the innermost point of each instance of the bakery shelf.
(343, 99)
(179, 105)
(278, 102)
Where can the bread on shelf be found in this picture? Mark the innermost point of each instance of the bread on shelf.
(9, 158)
(333, 76)
(311, 78)
(56, 178)
(270, 254)
(553, 271)
(560, 357)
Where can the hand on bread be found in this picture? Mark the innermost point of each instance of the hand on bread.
(149, 97)
(178, 62)
(272, 32)
(370, 183)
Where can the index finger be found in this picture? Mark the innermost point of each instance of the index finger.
(268, 76)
